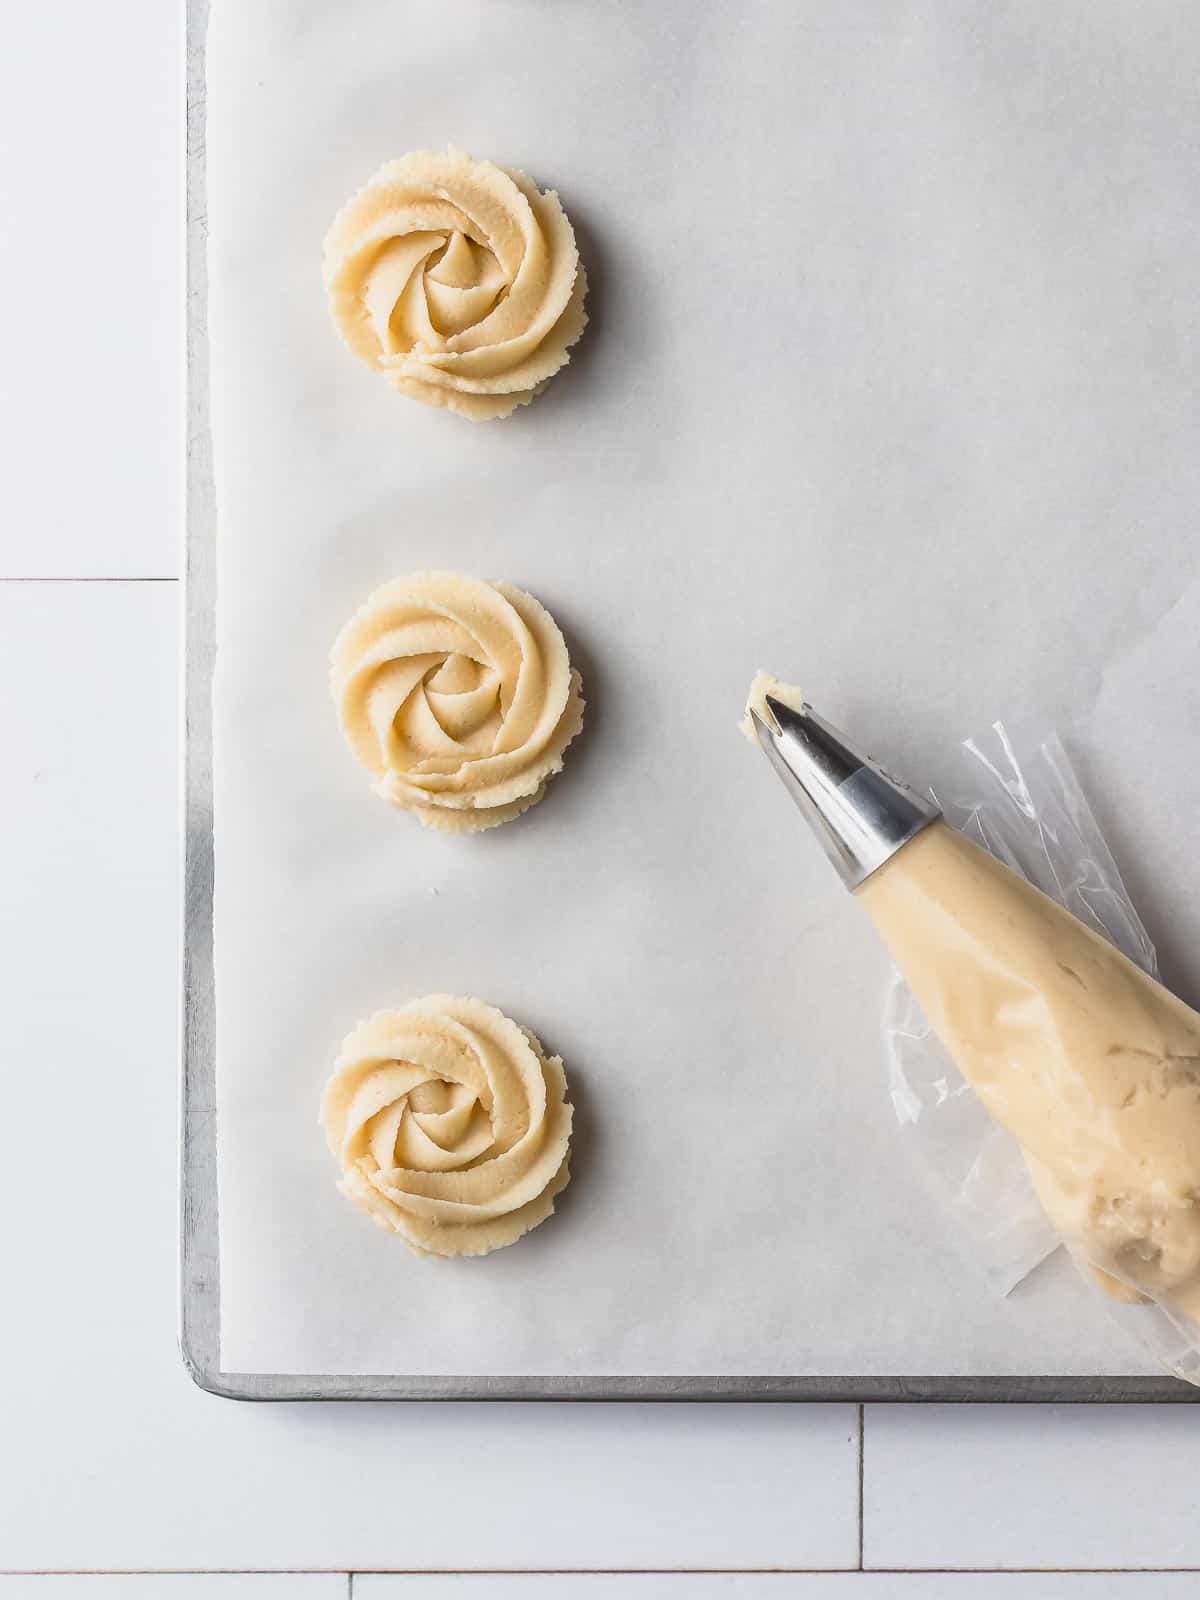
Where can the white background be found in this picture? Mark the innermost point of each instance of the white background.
(109, 1459)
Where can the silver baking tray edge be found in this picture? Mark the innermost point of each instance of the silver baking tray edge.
(200, 1271)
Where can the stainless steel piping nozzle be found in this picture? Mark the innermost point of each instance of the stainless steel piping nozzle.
(860, 814)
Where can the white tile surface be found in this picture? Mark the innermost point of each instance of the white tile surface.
(89, 122)
(779, 1586)
(111, 1458)
(1023, 1486)
(176, 1586)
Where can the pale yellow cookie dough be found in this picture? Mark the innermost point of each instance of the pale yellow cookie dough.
(457, 694)
(1090, 1064)
(451, 1125)
(756, 701)
(458, 281)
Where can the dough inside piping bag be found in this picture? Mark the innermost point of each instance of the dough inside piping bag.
(1090, 1064)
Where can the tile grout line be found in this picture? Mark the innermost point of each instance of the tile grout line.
(862, 1448)
(125, 579)
(752, 1572)
(734, 1572)
(571, 1572)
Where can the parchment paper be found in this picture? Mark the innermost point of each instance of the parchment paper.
(890, 387)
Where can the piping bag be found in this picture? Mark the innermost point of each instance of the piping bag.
(1085, 1059)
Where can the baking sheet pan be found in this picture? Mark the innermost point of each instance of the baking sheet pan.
(200, 1220)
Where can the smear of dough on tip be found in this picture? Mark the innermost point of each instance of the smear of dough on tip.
(765, 684)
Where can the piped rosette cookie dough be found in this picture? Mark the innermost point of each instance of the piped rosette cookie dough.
(457, 280)
(451, 1125)
(458, 696)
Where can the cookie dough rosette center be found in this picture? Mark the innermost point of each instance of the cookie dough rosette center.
(458, 280)
(451, 1125)
(458, 694)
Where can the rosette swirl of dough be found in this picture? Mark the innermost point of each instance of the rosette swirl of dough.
(458, 695)
(458, 280)
(451, 1125)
